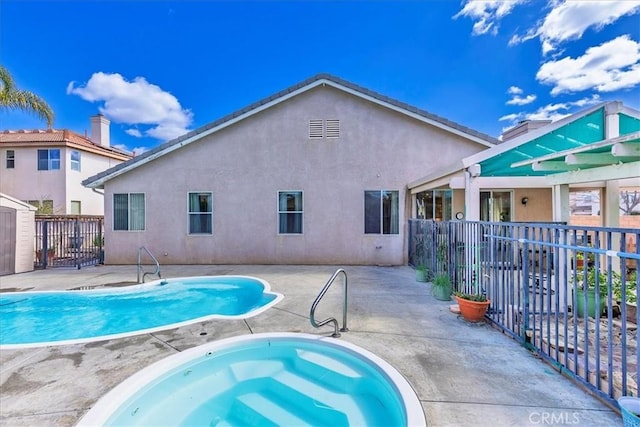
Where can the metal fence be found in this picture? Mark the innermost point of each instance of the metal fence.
(566, 292)
(68, 241)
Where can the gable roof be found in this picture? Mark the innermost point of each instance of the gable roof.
(98, 180)
(61, 137)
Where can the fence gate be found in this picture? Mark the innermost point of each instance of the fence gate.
(68, 241)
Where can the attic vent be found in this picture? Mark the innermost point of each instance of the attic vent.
(315, 129)
(333, 128)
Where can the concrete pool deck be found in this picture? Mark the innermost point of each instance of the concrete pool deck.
(463, 374)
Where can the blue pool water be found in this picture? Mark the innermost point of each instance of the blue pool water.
(275, 379)
(45, 318)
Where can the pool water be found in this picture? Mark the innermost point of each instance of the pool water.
(45, 318)
(281, 379)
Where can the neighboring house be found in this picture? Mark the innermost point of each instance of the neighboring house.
(315, 174)
(528, 176)
(46, 167)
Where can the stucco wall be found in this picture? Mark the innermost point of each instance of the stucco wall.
(538, 208)
(245, 166)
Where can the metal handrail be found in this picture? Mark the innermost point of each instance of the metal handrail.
(144, 274)
(333, 320)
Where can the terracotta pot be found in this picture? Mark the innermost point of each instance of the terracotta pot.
(472, 311)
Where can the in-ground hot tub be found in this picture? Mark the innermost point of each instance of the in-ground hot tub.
(263, 379)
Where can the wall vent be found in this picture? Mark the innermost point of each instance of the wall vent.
(316, 129)
(319, 129)
(332, 128)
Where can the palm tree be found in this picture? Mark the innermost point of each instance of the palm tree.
(12, 98)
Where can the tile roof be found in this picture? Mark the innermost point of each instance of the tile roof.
(38, 137)
(284, 94)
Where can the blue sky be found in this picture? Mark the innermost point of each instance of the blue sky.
(157, 69)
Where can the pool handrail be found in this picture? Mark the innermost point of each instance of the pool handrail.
(333, 320)
(157, 272)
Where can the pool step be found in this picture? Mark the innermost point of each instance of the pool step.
(327, 371)
(256, 409)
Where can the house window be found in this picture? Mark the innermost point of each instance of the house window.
(49, 159)
(434, 204)
(128, 212)
(75, 207)
(200, 213)
(319, 129)
(75, 160)
(11, 159)
(381, 212)
(290, 212)
(45, 207)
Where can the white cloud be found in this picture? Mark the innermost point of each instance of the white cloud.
(553, 112)
(518, 100)
(487, 13)
(569, 19)
(612, 66)
(136, 102)
(514, 90)
(134, 132)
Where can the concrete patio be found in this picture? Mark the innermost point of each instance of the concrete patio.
(463, 374)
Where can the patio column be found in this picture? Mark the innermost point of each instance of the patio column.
(472, 193)
(610, 204)
(561, 203)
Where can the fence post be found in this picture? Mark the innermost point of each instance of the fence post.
(44, 257)
(526, 282)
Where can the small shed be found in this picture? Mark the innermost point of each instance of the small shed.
(17, 232)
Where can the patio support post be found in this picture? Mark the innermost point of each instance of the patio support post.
(472, 195)
(561, 203)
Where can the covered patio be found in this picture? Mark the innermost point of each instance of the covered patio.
(506, 232)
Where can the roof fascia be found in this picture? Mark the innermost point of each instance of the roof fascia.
(523, 139)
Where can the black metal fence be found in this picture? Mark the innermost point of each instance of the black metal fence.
(568, 293)
(68, 241)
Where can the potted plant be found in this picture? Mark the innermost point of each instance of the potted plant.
(98, 243)
(441, 287)
(473, 306)
(588, 283)
(421, 273)
(51, 253)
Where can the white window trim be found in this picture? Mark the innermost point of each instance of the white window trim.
(189, 214)
(279, 212)
(129, 230)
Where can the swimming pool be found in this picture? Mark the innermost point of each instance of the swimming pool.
(263, 379)
(32, 319)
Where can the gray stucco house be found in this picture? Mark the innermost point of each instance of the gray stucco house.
(315, 174)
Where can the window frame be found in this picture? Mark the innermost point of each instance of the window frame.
(391, 228)
(75, 162)
(10, 159)
(299, 213)
(130, 212)
(52, 162)
(190, 213)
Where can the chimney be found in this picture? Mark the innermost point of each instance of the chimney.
(100, 130)
(523, 127)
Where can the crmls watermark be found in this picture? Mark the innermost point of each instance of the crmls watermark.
(554, 418)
